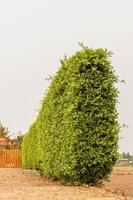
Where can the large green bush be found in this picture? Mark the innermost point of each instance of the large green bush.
(76, 133)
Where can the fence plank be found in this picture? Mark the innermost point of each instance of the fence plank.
(10, 158)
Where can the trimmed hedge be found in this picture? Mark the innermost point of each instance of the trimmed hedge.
(75, 136)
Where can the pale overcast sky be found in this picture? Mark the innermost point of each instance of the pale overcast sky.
(34, 35)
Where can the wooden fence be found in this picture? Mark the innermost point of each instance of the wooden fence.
(10, 158)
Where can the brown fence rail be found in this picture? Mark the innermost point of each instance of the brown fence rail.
(10, 158)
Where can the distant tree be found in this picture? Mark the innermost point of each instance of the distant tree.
(120, 156)
(128, 155)
(4, 132)
(123, 155)
(131, 157)
(18, 140)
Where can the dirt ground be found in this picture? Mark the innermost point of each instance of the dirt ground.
(122, 182)
(19, 184)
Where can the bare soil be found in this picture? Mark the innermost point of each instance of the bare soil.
(121, 181)
(20, 184)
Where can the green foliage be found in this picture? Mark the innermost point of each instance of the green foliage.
(76, 133)
(31, 148)
(17, 141)
(127, 156)
(4, 132)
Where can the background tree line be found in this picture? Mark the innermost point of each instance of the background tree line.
(16, 140)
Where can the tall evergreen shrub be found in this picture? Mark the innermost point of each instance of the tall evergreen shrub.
(76, 133)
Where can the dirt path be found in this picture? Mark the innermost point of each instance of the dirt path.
(122, 181)
(19, 184)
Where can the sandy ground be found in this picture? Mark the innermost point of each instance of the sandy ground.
(122, 182)
(20, 184)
